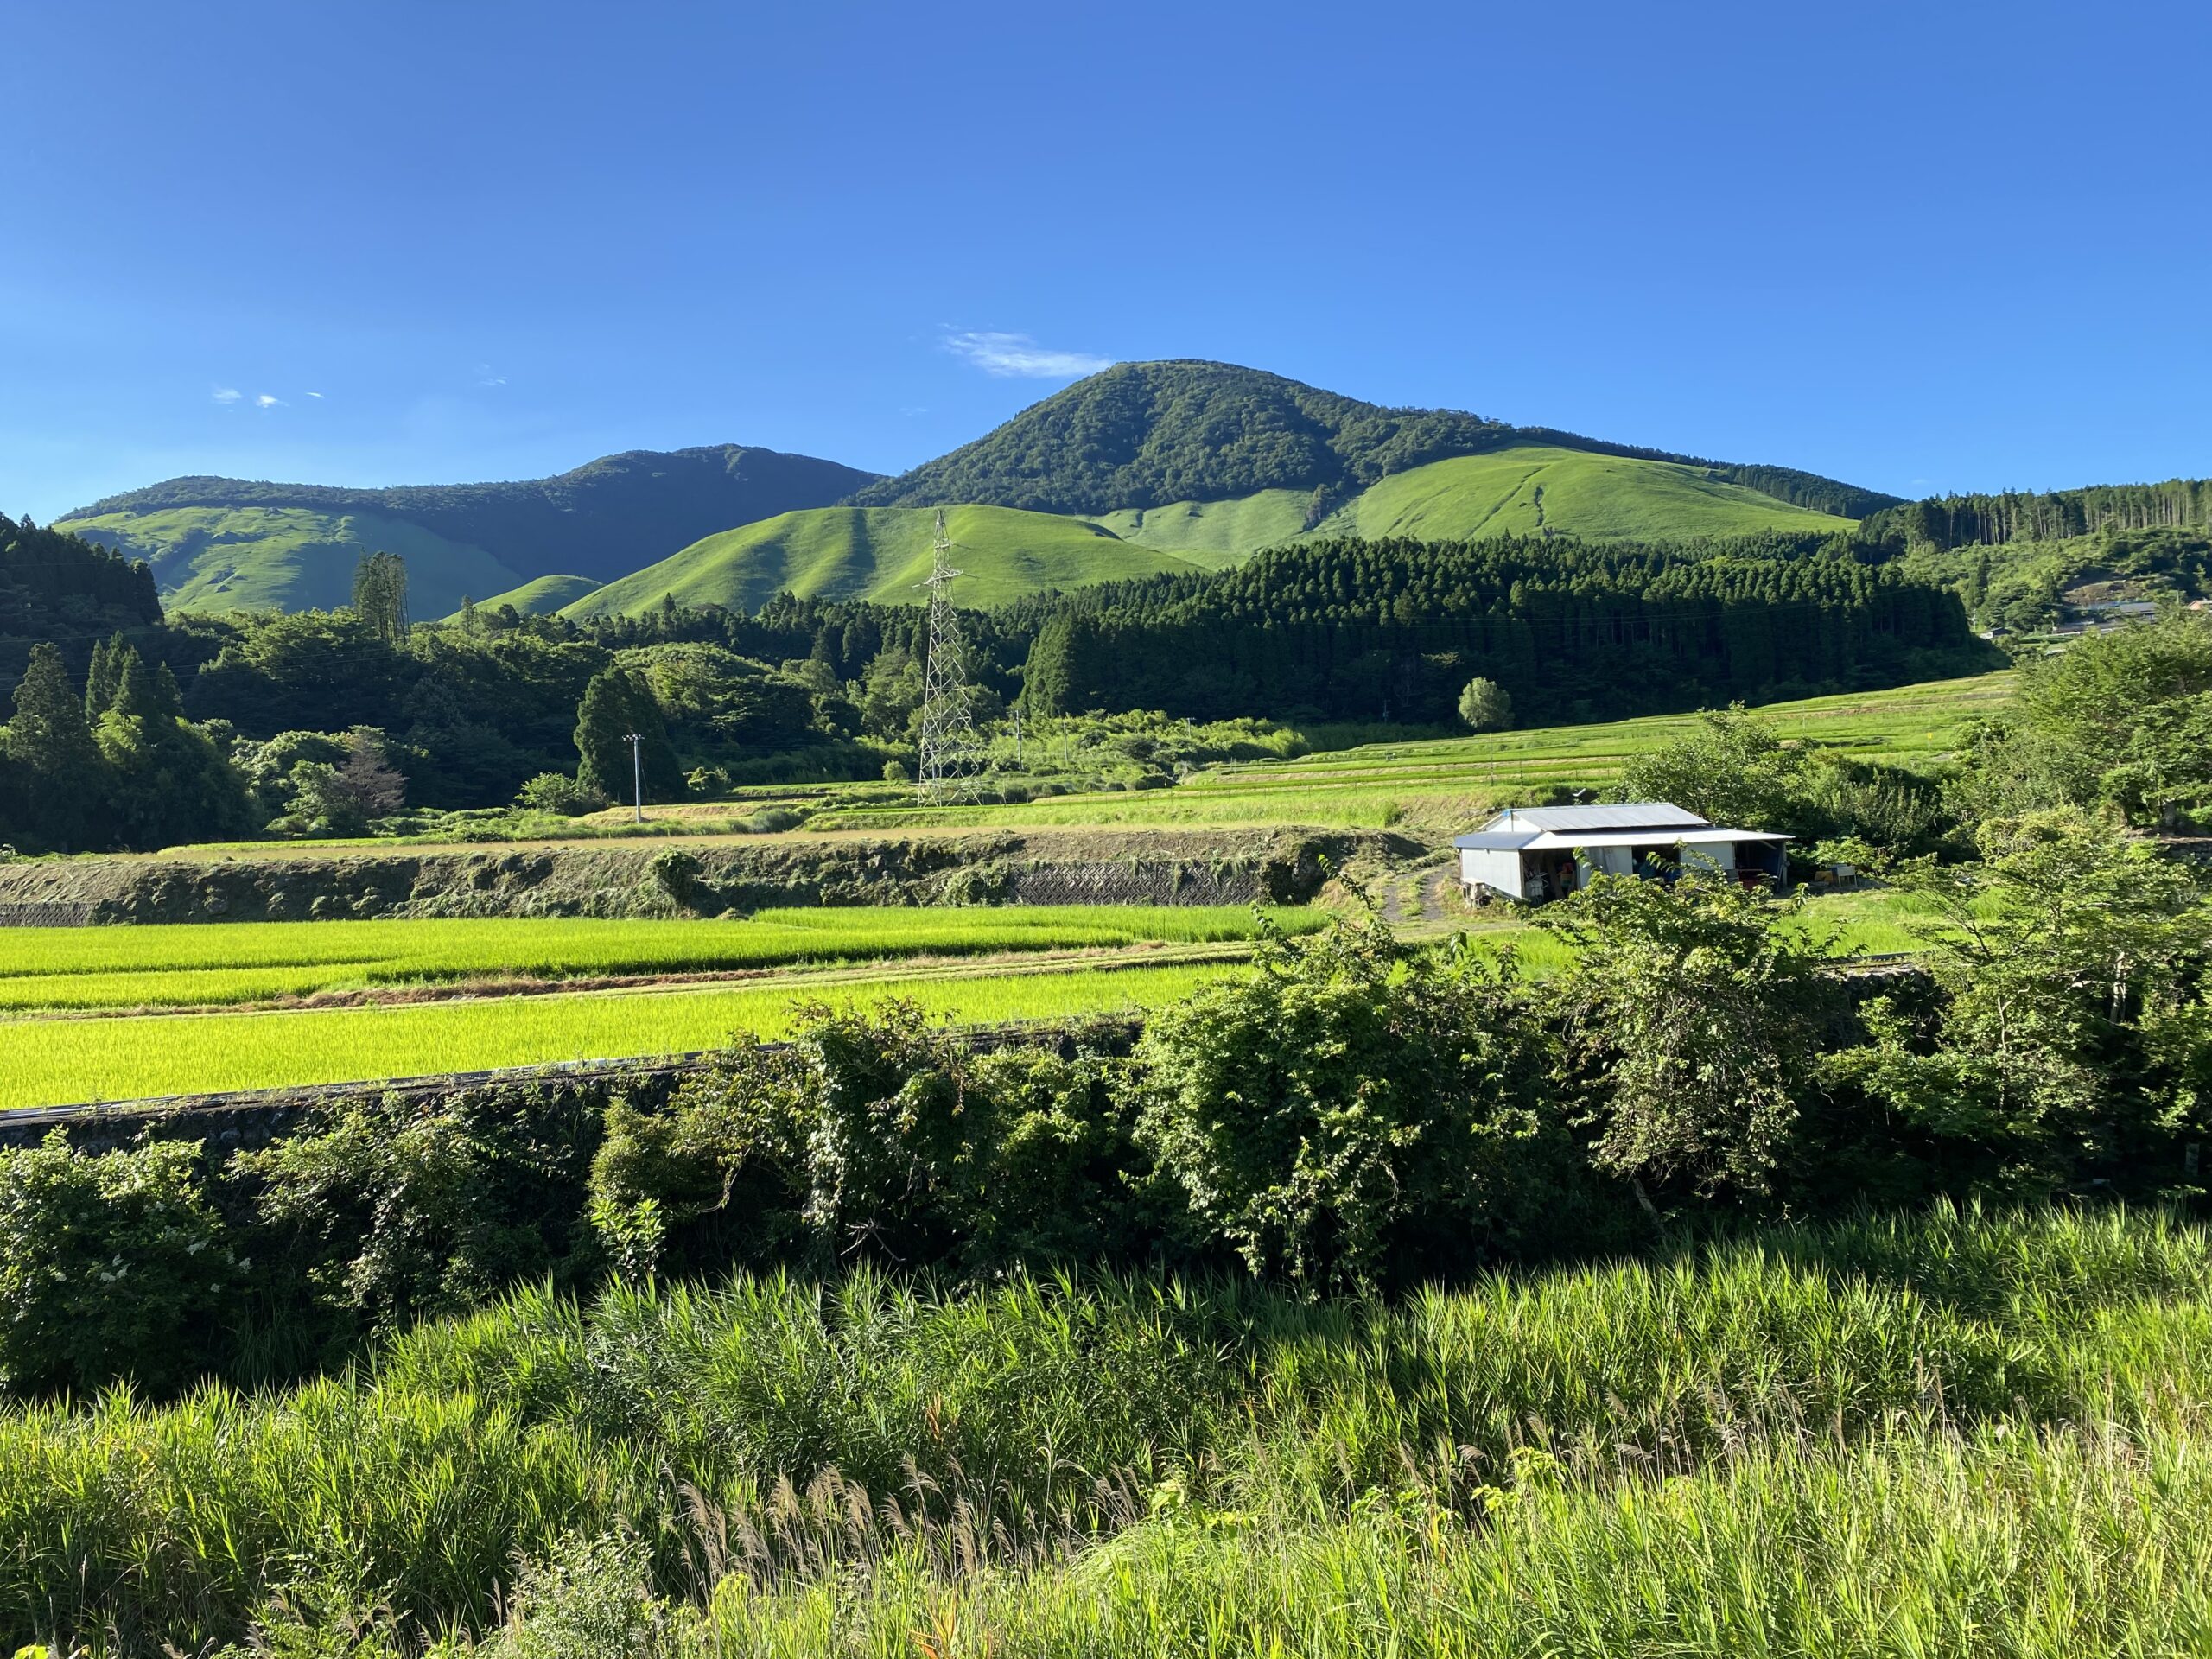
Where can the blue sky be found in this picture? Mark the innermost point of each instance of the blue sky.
(1918, 247)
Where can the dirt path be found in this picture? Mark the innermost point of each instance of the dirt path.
(1435, 893)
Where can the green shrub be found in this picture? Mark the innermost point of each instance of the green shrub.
(113, 1265)
(876, 1134)
(1351, 1102)
(1692, 1026)
(558, 793)
(372, 1216)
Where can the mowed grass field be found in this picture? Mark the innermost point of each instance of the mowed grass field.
(66, 1061)
(214, 964)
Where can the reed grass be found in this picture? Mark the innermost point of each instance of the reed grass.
(1709, 1450)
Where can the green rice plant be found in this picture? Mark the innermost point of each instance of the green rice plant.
(208, 965)
(59, 1061)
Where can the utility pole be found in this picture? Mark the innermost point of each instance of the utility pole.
(949, 755)
(1017, 737)
(637, 742)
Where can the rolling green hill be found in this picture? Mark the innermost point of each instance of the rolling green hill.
(225, 543)
(208, 559)
(1527, 489)
(882, 553)
(1215, 534)
(539, 597)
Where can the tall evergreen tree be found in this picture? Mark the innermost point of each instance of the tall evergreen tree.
(51, 744)
(616, 703)
(167, 781)
(100, 685)
(380, 595)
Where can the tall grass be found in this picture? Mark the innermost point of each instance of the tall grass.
(1769, 1405)
(2042, 1547)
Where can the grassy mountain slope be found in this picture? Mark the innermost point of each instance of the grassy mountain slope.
(882, 553)
(1524, 491)
(604, 519)
(1151, 435)
(1215, 534)
(539, 596)
(208, 558)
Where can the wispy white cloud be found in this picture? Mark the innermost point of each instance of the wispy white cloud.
(1009, 356)
(225, 394)
(314, 394)
(269, 400)
(485, 378)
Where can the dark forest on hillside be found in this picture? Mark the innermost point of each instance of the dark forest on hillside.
(1392, 631)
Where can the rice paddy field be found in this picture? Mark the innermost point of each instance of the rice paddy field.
(211, 964)
(66, 1061)
(117, 1014)
(1956, 1433)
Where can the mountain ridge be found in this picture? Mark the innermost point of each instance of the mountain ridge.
(1184, 458)
(602, 519)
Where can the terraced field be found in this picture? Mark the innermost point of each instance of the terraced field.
(47, 1062)
(231, 964)
(430, 996)
(1442, 783)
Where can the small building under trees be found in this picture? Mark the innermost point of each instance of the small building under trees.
(1530, 854)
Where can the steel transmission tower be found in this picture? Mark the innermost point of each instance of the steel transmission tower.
(950, 755)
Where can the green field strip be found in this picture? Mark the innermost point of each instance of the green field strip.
(213, 963)
(65, 1062)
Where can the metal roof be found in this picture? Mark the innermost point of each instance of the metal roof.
(1704, 836)
(1491, 841)
(1626, 815)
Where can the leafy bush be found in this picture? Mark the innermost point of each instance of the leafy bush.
(110, 1265)
(2074, 1030)
(372, 1217)
(875, 1134)
(558, 793)
(1691, 1026)
(1731, 769)
(1351, 1102)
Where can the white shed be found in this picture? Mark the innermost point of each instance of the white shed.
(1535, 852)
